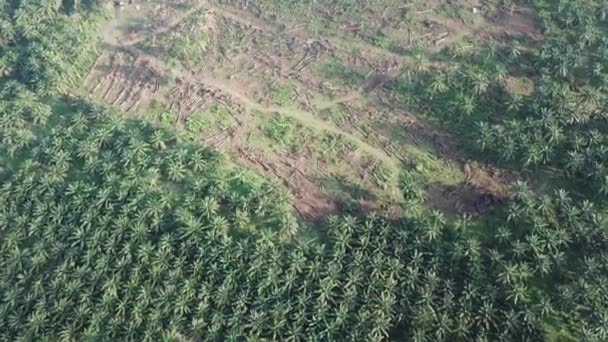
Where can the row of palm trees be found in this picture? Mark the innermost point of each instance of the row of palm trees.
(101, 240)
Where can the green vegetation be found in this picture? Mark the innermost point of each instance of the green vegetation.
(561, 123)
(216, 116)
(335, 147)
(283, 94)
(187, 44)
(116, 228)
(282, 130)
(47, 45)
(161, 115)
(333, 69)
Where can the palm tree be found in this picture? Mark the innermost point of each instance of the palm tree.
(219, 224)
(515, 49)
(466, 103)
(433, 225)
(7, 32)
(158, 140)
(480, 82)
(509, 274)
(198, 161)
(176, 171)
(486, 139)
(40, 115)
(209, 207)
(521, 190)
(420, 63)
(438, 84)
(139, 147)
(193, 228)
(518, 293)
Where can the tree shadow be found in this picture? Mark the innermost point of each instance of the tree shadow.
(459, 199)
(339, 184)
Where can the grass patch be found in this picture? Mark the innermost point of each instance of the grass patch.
(214, 117)
(283, 94)
(335, 70)
(158, 112)
(335, 147)
(434, 169)
(285, 131)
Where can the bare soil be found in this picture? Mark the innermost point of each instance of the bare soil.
(456, 200)
(488, 179)
(311, 203)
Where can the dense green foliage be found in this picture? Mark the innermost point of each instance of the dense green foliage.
(114, 229)
(47, 44)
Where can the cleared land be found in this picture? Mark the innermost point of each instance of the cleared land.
(298, 94)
